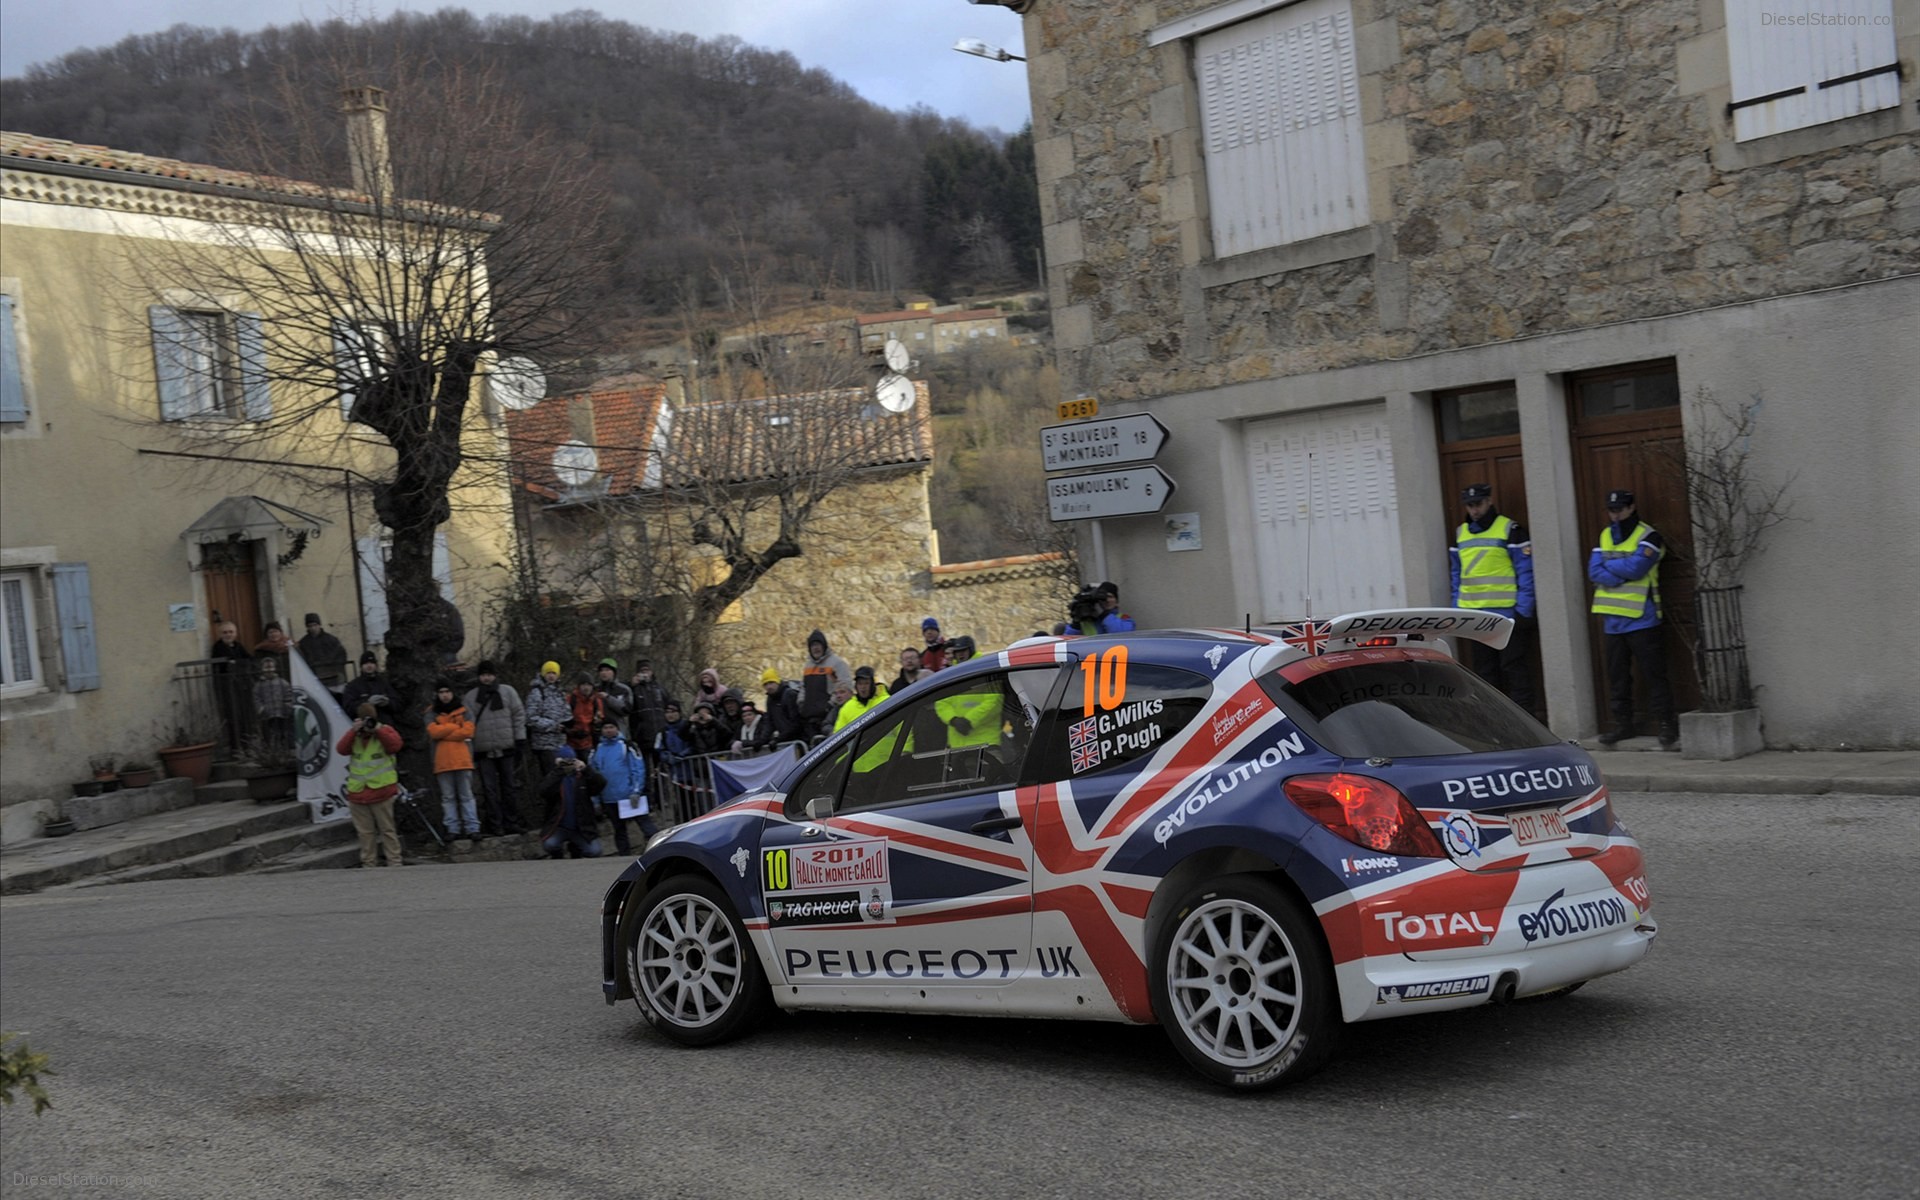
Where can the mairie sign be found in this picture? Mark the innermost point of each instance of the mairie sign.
(1104, 442)
(1122, 493)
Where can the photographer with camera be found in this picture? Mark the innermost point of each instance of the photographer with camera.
(373, 780)
(1096, 609)
(573, 822)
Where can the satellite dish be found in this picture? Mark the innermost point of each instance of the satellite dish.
(517, 383)
(895, 393)
(897, 357)
(575, 464)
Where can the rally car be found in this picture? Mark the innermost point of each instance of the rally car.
(1253, 837)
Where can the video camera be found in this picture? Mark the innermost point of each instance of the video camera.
(1086, 607)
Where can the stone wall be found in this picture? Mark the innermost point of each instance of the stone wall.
(866, 581)
(1531, 168)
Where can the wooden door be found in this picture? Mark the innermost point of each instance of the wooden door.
(1627, 433)
(233, 590)
(1480, 443)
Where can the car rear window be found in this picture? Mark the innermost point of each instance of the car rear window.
(1400, 703)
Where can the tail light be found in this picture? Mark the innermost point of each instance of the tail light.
(1366, 811)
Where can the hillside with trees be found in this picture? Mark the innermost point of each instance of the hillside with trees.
(717, 156)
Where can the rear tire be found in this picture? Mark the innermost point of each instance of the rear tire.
(695, 976)
(1243, 986)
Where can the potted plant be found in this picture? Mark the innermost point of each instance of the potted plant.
(103, 773)
(137, 774)
(187, 747)
(55, 824)
(269, 768)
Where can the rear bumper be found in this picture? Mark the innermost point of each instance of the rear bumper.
(1454, 939)
(1374, 989)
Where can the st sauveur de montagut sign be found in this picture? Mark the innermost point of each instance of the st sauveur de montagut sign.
(1104, 442)
(1123, 493)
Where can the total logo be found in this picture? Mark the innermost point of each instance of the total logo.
(1419, 927)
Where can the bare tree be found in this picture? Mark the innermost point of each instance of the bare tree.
(441, 239)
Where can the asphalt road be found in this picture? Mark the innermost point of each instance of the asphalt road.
(439, 1031)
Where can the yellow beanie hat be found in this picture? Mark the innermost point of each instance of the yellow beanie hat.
(550, 666)
(769, 676)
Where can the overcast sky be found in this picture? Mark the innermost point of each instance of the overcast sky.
(896, 53)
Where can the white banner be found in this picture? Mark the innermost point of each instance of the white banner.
(318, 722)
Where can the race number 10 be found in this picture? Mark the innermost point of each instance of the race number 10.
(779, 871)
(1105, 685)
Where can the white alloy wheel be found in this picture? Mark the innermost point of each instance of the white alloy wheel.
(1242, 986)
(694, 974)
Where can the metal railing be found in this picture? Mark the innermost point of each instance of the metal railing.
(1720, 652)
(681, 786)
(216, 697)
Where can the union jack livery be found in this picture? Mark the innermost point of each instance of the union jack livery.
(1254, 838)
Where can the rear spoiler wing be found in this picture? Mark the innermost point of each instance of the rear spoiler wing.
(1382, 627)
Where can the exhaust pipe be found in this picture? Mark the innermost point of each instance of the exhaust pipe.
(1503, 991)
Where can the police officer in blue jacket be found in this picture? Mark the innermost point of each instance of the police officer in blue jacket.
(1492, 564)
(1625, 570)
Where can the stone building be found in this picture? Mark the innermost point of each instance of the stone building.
(1357, 253)
(589, 474)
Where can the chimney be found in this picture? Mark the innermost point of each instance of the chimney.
(366, 110)
(676, 385)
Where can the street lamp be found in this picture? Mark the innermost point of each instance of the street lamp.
(980, 49)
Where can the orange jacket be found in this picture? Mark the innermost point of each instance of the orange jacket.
(452, 734)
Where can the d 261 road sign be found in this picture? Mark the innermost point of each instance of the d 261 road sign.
(1123, 493)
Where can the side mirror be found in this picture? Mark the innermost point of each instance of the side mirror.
(819, 808)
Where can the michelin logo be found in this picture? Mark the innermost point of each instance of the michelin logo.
(1407, 993)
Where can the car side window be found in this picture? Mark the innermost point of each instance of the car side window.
(1114, 712)
(970, 736)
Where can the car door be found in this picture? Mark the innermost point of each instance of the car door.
(897, 865)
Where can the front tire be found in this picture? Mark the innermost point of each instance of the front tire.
(695, 975)
(1243, 987)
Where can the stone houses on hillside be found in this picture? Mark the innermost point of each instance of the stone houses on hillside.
(147, 482)
(1357, 253)
(589, 472)
(932, 330)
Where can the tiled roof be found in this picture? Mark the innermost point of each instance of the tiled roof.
(919, 314)
(157, 172)
(623, 424)
(971, 314)
(732, 440)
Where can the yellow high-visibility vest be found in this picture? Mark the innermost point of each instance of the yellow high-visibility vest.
(1487, 577)
(1627, 599)
(370, 766)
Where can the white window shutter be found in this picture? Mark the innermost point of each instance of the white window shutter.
(1793, 76)
(1280, 108)
(372, 566)
(13, 391)
(256, 395)
(170, 363)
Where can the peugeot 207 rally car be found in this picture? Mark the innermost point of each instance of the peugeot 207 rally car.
(1253, 838)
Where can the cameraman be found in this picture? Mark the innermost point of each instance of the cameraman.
(573, 825)
(373, 780)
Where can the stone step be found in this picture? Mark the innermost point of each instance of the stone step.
(221, 791)
(144, 841)
(245, 854)
(326, 858)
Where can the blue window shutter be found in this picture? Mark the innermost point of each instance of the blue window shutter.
(169, 365)
(256, 398)
(13, 393)
(73, 604)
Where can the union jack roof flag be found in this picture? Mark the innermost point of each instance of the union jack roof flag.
(1307, 635)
